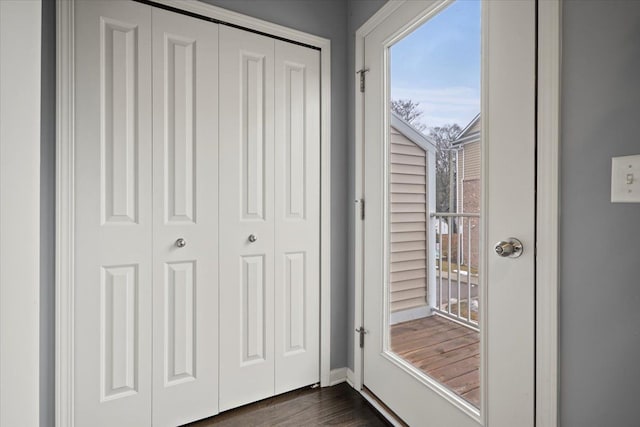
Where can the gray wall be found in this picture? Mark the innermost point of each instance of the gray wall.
(600, 255)
(47, 213)
(358, 12)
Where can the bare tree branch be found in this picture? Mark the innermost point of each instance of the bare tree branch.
(409, 111)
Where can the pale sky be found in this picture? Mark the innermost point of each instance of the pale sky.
(438, 65)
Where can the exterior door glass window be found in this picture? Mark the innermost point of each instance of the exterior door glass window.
(433, 199)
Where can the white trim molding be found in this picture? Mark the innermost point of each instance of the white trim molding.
(350, 377)
(548, 211)
(65, 211)
(338, 376)
(325, 210)
(65, 207)
(249, 22)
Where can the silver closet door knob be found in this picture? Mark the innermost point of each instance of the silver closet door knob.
(252, 238)
(181, 243)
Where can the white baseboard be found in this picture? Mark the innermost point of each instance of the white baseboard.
(337, 376)
(411, 314)
(351, 376)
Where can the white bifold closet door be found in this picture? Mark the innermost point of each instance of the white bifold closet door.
(269, 217)
(187, 142)
(113, 214)
(185, 206)
(146, 321)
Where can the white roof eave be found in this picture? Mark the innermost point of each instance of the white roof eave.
(413, 134)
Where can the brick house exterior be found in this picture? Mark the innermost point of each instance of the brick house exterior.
(468, 185)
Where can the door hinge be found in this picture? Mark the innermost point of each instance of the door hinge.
(362, 78)
(362, 331)
(361, 203)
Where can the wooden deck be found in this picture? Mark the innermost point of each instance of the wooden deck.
(444, 350)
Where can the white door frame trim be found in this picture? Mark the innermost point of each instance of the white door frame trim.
(65, 141)
(548, 213)
(358, 319)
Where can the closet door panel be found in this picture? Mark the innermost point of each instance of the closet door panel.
(297, 216)
(113, 220)
(185, 200)
(179, 115)
(246, 217)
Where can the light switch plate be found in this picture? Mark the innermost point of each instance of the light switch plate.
(625, 179)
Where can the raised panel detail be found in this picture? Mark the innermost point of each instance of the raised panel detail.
(253, 136)
(119, 122)
(295, 104)
(295, 294)
(180, 148)
(180, 318)
(253, 309)
(119, 329)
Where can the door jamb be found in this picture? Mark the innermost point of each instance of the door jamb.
(65, 185)
(548, 210)
(549, 29)
(355, 378)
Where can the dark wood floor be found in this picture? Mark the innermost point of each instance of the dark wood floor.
(339, 405)
(444, 350)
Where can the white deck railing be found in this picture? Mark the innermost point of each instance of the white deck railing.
(456, 275)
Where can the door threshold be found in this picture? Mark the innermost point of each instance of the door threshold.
(383, 409)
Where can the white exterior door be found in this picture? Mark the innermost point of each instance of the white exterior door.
(113, 214)
(269, 216)
(185, 218)
(506, 323)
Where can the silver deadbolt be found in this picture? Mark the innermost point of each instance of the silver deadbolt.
(512, 248)
(252, 238)
(181, 243)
